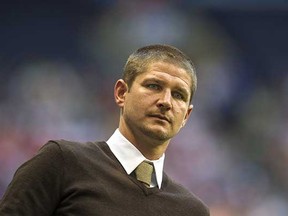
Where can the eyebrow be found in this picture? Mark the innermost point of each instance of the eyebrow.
(154, 80)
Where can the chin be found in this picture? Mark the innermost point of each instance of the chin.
(158, 134)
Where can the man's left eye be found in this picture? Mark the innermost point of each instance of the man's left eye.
(178, 95)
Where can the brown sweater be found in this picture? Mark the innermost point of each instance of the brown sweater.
(69, 178)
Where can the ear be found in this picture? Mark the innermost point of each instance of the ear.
(120, 91)
(189, 111)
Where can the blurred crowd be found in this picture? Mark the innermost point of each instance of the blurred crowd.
(233, 153)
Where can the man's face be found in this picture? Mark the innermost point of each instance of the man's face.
(157, 104)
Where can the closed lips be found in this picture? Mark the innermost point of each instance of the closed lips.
(160, 117)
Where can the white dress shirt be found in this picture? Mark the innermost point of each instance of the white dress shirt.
(130, 157)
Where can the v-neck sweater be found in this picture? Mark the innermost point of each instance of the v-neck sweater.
(71, 178)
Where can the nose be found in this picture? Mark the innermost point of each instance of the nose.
(164, 101)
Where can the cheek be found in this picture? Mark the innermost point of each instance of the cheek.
(181, 114)
(134, 105)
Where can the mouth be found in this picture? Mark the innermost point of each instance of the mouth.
(159, 116)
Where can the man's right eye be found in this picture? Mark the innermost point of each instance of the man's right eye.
(153, 86)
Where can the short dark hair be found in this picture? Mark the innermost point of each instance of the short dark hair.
(139, 61)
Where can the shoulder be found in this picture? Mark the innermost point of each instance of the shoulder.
(76, 151)
(73, 146)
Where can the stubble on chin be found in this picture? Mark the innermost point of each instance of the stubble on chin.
(161, 136)
(140, 129)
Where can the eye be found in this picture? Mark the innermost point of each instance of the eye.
(153, 86)
(178, 96)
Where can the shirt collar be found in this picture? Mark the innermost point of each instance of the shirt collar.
(130, 157)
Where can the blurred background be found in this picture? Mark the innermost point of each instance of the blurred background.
(59, 61)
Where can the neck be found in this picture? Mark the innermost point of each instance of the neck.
(150, 148)
(151, 153)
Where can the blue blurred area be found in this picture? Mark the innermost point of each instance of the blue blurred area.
(59, 61)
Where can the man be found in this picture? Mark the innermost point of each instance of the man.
(123, 176)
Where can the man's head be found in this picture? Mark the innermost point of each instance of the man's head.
(139, 61)
(154, 96)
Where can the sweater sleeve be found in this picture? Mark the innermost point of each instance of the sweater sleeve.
(36, 186)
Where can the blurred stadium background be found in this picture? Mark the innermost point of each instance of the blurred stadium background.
(59, 61)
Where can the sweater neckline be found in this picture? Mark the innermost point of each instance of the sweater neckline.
(146, 190)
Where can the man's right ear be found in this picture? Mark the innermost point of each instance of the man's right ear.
(120, 91)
